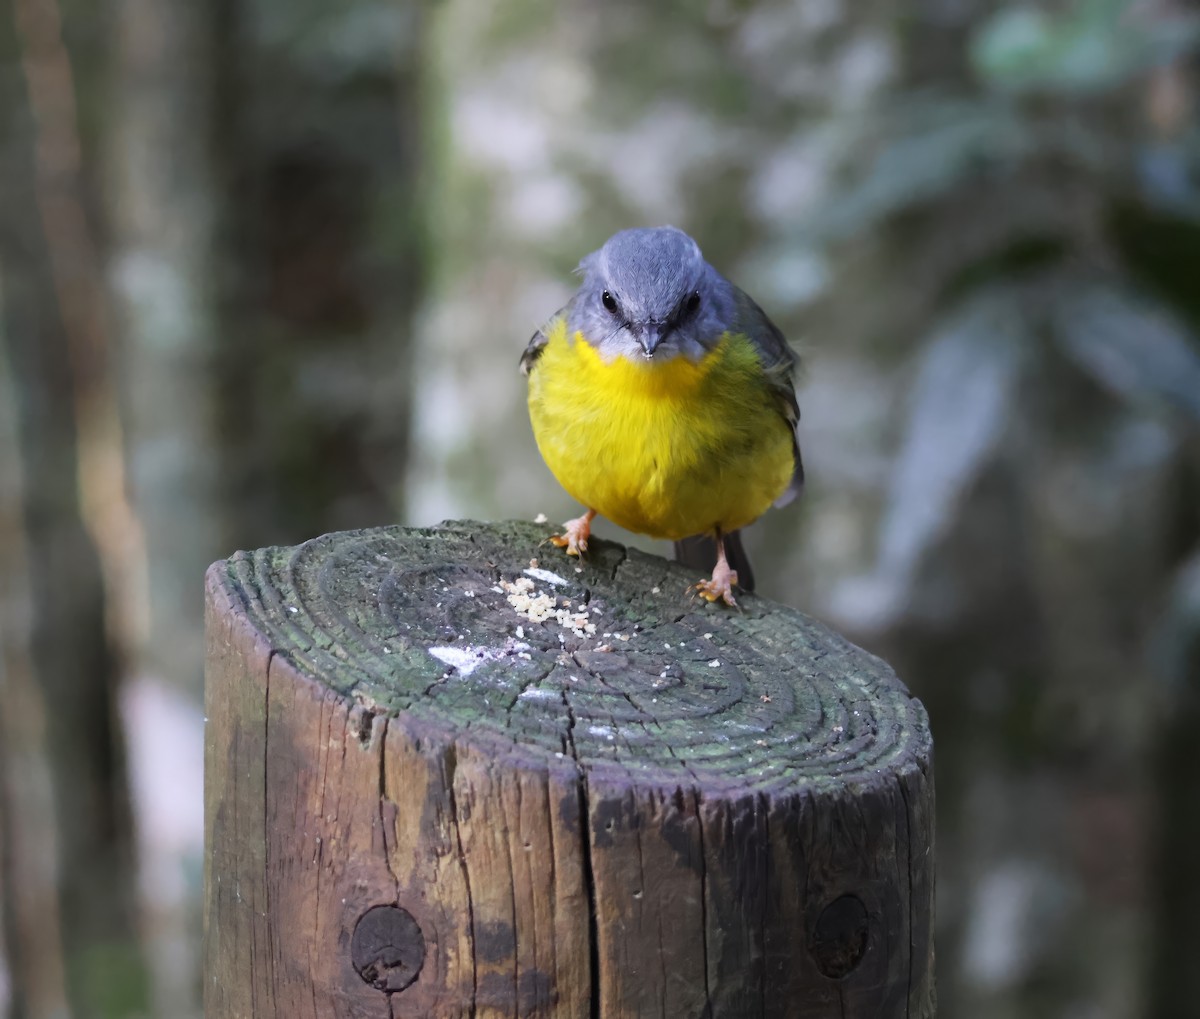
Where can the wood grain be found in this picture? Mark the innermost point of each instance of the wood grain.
(673, 809)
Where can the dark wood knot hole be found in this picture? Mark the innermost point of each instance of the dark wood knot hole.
(388, 948)
(839, 939)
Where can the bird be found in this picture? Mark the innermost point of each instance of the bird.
(663, 398)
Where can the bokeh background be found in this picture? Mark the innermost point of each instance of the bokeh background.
(266, 267)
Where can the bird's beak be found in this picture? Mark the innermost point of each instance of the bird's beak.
(651, 335)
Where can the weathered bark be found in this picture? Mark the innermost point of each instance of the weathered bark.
(422, 800)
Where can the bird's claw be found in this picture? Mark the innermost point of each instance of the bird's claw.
(720, 586)
(574, 537)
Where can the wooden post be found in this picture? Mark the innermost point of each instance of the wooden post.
(444, 782)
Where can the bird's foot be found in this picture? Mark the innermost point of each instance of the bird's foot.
(575, 535)
(720, 585)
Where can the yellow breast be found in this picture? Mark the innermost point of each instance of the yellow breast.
(665, 448)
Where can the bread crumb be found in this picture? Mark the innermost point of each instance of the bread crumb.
(540, 607)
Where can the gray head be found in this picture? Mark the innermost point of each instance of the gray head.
(649, 294)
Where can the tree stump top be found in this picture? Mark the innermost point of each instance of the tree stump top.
(606, 664)
(444, 780)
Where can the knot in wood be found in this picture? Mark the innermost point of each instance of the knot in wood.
(840, 938)
(388, 948)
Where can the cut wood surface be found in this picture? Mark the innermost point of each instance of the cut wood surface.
(444, 781)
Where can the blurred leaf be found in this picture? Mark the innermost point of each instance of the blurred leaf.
(1094, 47)
(1132, 345)
(928, 146)
(919, 147)
(960, 405)
(1167, 172)
(1012, 42)
(1175, 646)
(965, 381)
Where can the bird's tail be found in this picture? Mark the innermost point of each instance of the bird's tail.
(699, 553)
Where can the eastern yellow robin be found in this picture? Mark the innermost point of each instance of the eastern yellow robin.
(662, 398)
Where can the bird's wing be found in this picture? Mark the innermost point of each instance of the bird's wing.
(779, 362)
(537, 342)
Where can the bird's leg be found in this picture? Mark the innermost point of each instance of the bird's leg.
(575, 534)
(723, 578)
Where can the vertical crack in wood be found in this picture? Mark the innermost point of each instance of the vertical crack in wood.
(703, 897)
(911, 927)
(451, 764)
(762, 801)
(662, 969)
(553, 882)
(512, 891)
(589, 874)
(619, 563)
(266, 877)
(319, 862)
(696, 783)
(383, 798)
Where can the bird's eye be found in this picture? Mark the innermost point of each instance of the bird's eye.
(610, 302)
(693, 302)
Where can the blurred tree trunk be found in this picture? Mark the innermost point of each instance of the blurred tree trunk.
(70, 555)
(322, 256)
(1175, 894)
(33, 980)
(161, 209)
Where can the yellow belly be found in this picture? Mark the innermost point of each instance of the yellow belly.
(667, 449)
